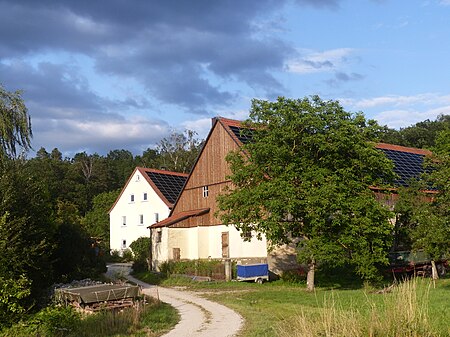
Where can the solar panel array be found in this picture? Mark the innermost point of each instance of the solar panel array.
(170, 185)
(243, 134)
(407, 165)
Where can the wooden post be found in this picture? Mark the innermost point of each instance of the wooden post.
(228, 275)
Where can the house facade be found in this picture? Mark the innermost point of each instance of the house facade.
(146, 198)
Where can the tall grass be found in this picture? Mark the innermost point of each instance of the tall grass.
(403, 312)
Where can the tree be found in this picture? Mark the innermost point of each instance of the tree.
(96, 221)
(141, 252)
(26, 229)
(306, 174)
(179, 151)
(425, 213)
(15, 124)
(75, 255)
(421, 135)
(120, 164)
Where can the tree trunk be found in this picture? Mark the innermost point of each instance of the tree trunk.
(310, 276)
(434, 272)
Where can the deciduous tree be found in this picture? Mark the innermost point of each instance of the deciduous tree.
(15, 124)
(306, 174)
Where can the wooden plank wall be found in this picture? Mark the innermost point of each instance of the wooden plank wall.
(211, 170)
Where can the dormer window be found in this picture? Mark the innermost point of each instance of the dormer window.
(205, 191)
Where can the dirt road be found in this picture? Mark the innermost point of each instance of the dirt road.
(199, 317)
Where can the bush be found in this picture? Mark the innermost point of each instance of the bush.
(127, 255)
(12, 296)
(56, 321)
(199, 267)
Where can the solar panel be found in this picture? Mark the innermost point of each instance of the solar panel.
(243, 134)
(170, 185)
(407, 165)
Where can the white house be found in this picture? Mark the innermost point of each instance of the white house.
(146, 198)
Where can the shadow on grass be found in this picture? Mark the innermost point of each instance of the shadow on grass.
(342, 277)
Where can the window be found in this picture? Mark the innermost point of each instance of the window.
(156, 217)
(137, 177)
(205, 191)
(132, 198)
(124, 221)
(124, 244)
(158, 236)
(144, 197)
(141, 219)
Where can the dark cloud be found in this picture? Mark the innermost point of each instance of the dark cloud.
(320, 3)
(167, 45)
(183, 54)
(341, 77)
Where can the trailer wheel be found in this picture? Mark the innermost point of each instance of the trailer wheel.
(259, 280)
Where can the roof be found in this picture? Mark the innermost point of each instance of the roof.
(179, 217)
(408, 161)
(167, 184)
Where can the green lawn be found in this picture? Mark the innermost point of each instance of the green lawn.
(279, 308)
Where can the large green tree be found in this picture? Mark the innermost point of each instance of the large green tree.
(15, 124)
(424, 207)
(306, 174)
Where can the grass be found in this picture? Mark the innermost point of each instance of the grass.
(284, 309)
(151, 319)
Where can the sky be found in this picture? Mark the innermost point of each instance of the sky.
(123, 74)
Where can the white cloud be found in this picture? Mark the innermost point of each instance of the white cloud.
(444, 2)
(397, 100)
(398, 111)
(313, 62)
(99, 136)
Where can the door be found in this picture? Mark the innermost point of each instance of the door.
(225, 245)
(176, 254)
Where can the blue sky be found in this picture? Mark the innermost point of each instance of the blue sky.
(104, 75)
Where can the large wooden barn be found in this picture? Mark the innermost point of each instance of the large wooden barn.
(192, 231)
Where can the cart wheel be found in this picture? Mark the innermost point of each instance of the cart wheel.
(259, 280)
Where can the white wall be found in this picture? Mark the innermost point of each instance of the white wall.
(132, 210)
(206, 241)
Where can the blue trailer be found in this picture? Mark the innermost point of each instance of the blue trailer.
(253, 272)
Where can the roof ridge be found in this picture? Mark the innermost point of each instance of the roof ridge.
(145, 169)
(401, 148)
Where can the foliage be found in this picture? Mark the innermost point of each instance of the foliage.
(179, 151)
(76, 255)
(141, 253)
(149, 319)
(425, 214)
(421, 135)
(15, 124)
(198, 267)
(306, 174)
(96, 221)
(12, 295)
(26, 228)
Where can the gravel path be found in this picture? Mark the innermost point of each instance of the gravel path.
(199, 317)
